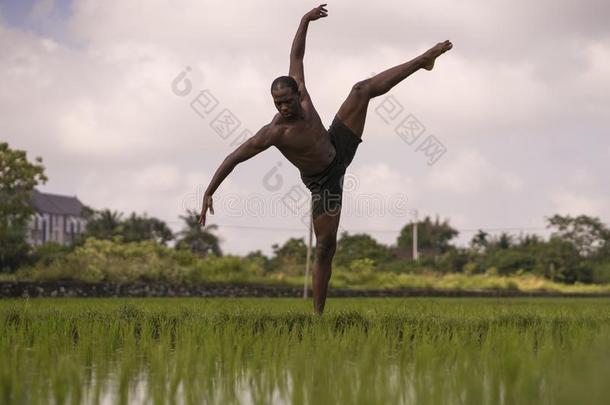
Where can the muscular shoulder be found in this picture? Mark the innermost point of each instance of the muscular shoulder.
(274, 130)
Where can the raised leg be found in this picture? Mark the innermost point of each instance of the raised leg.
(325, 227)
(353, 110)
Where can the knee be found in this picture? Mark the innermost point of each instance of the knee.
(325, 248)
(362, 88)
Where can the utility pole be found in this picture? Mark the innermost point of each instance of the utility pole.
(308, 256)
(415, 252)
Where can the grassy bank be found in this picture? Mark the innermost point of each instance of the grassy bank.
(101, 261)
(382, 280)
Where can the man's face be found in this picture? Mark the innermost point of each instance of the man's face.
(286, 101)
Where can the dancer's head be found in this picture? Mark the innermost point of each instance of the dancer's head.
(285, 93)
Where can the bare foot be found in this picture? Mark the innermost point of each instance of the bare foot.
(434, 52)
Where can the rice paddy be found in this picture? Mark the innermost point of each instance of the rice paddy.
(262, 351)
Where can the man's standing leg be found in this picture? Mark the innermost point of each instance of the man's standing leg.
(325, 227)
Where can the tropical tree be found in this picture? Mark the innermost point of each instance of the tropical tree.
(139, 228)
(261, 259)
(503, 241)
(433, 237)
(103, 224)
(480, 241)
(588, 234)
(198, 240)
(360, 246)
(18, 178)
(559, 260)
(108, 224)
(290, 257)
(530, 240)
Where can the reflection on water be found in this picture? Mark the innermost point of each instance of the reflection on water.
(425, 352)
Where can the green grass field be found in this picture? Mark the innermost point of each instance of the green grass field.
(261, 351)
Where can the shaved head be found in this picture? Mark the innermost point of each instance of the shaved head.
(285, 81)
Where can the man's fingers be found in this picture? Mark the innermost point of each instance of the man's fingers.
(318, 12)
(206, 205)
(211, 206)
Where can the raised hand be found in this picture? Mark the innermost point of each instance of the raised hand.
(316, 13)
(207, 203)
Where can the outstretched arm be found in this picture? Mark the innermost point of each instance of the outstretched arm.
(260, 141)
(297, 52)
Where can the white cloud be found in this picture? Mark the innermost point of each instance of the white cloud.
(82, 131)
(49, 45)
(582, 177)
(159, 177)
(379, 178)
(569, 202)
(470, 172)
(377, 197)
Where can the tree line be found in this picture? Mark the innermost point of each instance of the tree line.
(578, 249)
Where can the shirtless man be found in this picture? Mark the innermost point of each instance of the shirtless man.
(321, 155)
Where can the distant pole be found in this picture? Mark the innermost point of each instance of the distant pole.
(415, 252)
(308, 256)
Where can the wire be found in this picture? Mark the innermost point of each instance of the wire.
(465, 230)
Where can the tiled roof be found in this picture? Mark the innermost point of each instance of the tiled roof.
(55, 204)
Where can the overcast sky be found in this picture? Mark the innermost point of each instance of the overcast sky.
(520, 108)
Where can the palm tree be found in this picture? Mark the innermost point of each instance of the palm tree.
(197, 239)
(480, 241)
(138, 228)
(103, 224)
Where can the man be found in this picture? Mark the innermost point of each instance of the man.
(321, 156)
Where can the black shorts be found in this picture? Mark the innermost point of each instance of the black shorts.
(327, 186)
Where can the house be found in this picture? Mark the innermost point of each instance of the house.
(58, 218)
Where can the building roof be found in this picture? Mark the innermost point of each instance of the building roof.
(56, 204)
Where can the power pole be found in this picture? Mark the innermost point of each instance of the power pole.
(415, 252)
(308, 255)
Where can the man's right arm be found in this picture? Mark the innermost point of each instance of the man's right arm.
(260, 141)
(297, 51)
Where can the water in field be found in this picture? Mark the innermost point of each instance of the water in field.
(261, 351)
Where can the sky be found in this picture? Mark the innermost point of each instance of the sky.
(133, 105)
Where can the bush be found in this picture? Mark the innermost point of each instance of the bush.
(509, 261)
(362, 266)
(454, 261)
(49, 252)
(401, 266)
(601, 273)
(110, 261)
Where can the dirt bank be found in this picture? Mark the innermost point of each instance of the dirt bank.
(70, 289)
